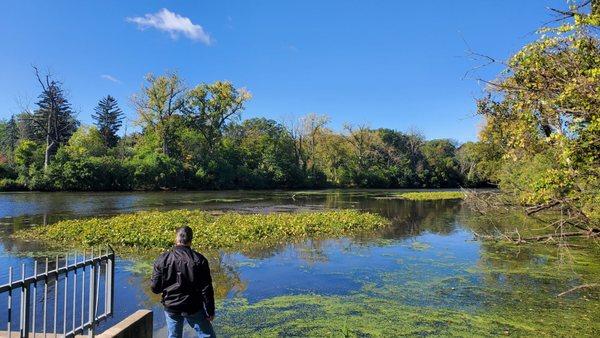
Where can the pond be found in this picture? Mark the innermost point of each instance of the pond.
(424, 275)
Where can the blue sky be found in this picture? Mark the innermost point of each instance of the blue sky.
(394, 64)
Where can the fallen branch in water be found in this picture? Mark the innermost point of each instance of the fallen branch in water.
(537, 208)
(547, 238)
(483, 202)
(579, 287)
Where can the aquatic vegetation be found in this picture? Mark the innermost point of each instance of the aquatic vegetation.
(424, 196)
(155, 229)
(431, 195)
(420, 246)
(361, 315)
(429, 298)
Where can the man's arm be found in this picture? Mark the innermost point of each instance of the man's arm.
(206, 289)
(156, 280)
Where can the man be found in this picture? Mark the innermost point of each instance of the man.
(183, 277)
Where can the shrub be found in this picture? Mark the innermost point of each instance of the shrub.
(7, 171)
(9, 184)
(91, 173)
(155, 171)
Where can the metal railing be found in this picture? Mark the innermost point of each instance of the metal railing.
(61, 300)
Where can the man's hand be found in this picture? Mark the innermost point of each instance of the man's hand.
(210, 318)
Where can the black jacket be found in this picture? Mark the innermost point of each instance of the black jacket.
(183, 277)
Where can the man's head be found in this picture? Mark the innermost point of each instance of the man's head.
(183, 236)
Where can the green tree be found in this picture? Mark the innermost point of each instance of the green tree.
(333, 153)
(442, 166)
(400, 157)
(543, 112)
(477, 163)
(308, 134)
(158, 106)
(366, 159)
(209, 107)
(267, 153)
(9, 137)
(53, 120)
(25, 153)
(108, 119)
(86, 142)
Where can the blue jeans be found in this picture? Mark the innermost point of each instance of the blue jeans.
(197, 321)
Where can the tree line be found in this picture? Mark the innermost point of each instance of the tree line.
(195, 138)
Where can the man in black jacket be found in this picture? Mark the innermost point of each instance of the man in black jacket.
(183, 277)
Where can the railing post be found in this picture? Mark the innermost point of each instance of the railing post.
(25, 303)
(34, 311)
(45, 297)
(65, 296)
(92, 302)
(75, 291)
(55, 327)
(10, 273)
(111, 274)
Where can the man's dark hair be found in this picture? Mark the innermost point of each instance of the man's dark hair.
(184, 235)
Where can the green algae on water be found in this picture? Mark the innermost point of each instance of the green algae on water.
(359, 316)
(419, 246)
(435, 303)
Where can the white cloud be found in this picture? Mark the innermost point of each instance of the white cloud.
(172, 23)
(110, 78)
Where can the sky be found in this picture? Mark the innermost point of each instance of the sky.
(387, 64)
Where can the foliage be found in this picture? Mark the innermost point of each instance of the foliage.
(53, 122)
(158, 106)
(266, 151)
(9, 184)
(194, 138)
(7, 171)
(26, 154)
(442, 167)
(543, 114)
(9, 137)
(86, 142)
(156, 170)
(108, 119)
(478, 163)
(90, 173)
(154, 229)
(209, 107)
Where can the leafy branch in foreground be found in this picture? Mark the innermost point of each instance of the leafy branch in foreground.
(544, 113)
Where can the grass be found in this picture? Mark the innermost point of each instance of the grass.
(431, 195)
(155, 229)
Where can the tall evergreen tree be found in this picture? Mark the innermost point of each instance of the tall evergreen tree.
(109, 119)
(10, 137)
(54, 121)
